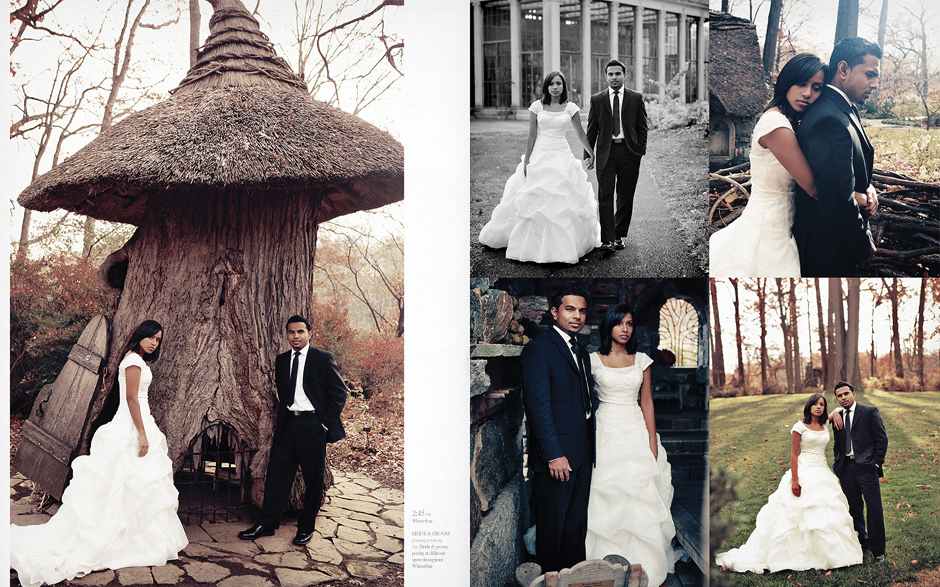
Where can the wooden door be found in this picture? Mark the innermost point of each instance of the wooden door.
(52, 435)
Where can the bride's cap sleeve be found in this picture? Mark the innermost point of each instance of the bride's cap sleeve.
(643, 361)
(799, 427)
(571, 108)
(133, 360)
(536, 107)
(769, 122)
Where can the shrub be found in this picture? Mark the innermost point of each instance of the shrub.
(893, 383)
(880, 108)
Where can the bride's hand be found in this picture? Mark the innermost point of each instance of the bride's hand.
(144, 443)
(654, 448)
(590, 162)
(525, 165)
(795, 487)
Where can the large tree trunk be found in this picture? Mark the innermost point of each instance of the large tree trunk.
(785, 329)
(823, 354)
(770, 39)
(195, 22)
(762, 313)
(882, 25)
(836, 334)
(852, 370)
(893, 295)
(221, 273)
(718, 361)
(920, 332)
(795, 332)
(742, 380)
(846, 20)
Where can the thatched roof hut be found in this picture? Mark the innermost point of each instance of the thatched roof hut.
(736, 82)
(242, 118)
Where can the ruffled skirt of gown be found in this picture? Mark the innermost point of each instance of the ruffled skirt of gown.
(119, 510)
(813, 531)
(631, 495)
(548, 215)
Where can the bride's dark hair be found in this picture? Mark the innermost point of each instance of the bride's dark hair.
(546, 97)
(798, 70)
(145, 329)
(808, 416)
(611, 319)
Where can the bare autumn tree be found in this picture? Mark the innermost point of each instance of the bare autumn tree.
(824, 355)
(742, 380)
(876, 290)
(895, 292)
(718, 361)
(195, 22)
(762, 315)
(31, 17)
(787, 336)
(912, 40)
(836, 334)
(846, 20)
(853, 293)
(883, 23)
(771, 38)
(795, 332)
(919, 351)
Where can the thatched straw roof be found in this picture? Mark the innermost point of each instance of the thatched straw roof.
(240, 118)
(736, 82)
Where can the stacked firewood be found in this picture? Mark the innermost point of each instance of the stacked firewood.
(906, 227)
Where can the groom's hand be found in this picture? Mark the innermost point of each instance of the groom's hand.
(560, 469)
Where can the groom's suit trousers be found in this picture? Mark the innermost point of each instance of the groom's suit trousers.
(860, 482)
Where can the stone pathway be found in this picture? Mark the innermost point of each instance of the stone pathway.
(360, 534)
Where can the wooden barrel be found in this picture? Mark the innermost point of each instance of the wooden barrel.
(52, 435)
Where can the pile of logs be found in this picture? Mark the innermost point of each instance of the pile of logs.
(906, 227)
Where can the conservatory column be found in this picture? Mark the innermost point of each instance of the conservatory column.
(613, 13)
(683, 36)
(515, 52)
(661, 57)
(701, 37)
(478, 55)
(638, 48)
(586, 57)
(551, 36)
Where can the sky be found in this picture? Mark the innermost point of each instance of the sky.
(907, 316)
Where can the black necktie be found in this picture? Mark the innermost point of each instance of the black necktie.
(848, 431)
(616, 130)
(293, 378)
(585, 393)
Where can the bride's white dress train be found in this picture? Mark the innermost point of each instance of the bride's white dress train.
(759, 243)
(631, 491)
(549, 213)
(119, 510)
(812, 531)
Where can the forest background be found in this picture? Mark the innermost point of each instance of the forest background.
(75, 71)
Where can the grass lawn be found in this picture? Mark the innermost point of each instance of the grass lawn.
(750, 436)
(912, 151)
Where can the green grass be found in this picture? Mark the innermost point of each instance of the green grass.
(912, 151)
(750, 436)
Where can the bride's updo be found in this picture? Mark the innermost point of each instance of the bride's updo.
(611, 319)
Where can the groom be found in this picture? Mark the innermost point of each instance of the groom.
(860, 447)
(559, 402)
(617, 130)
(831, 229)
(311, 394)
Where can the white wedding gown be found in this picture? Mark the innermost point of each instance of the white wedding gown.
(813, 531)
(631, 492)
(548, 214)
(119, 509)
(759, 243)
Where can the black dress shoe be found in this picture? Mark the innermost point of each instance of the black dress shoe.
(256, 531)
(302, 538)
(620, 244)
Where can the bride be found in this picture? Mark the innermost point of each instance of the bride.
(548, 212)
(631, 489)
(805, 523)
(120, 508)
(760, 243)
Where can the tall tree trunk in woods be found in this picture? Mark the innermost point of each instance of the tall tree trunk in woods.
(770, 39)
(195, 22)
(785, 329)
(853, 293)
(762, 313)
(894, 294)
(823, 354)
(919, 364)
(846, 20)
(836, 334)
(742, 380)
(882, 25)
(795, 331)
(725, 5)
(718, 361)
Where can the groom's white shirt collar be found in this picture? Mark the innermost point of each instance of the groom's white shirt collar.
(610, 98)
(841, 93)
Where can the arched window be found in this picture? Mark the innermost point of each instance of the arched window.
(678, 331)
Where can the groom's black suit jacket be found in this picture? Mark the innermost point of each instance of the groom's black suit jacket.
(830, 232)
(869, 440)
(322, 385)
(552, 400)
(601, 122)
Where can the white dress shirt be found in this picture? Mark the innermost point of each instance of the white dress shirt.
(301, 401)
(850, 411)
(610, 96)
